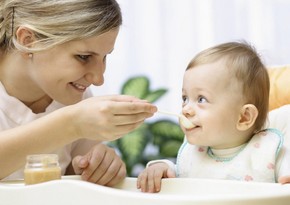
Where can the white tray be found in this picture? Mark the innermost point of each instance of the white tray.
(73, 191)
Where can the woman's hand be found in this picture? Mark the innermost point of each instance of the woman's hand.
(101, 165)
(150, 179)
(109, 117)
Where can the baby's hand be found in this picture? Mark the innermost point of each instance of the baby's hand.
(284, 179)
(150, 179)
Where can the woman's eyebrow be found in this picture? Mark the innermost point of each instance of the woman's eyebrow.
(94, 53)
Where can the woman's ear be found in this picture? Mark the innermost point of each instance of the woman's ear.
(247, 118)
(25, 36)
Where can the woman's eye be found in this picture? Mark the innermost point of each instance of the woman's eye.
(201, 99)
(84, 57)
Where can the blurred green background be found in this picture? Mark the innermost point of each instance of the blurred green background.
(158, 139)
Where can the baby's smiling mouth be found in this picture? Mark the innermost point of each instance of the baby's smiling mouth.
(78, 86)
(186, 123)
(192, 127)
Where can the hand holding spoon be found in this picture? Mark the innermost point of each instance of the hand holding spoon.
(183, 120)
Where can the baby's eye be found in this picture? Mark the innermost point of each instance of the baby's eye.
(184, 99)
(201, 99)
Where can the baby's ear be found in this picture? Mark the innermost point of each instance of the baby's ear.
(247, 118)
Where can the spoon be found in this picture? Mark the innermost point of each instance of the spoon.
(183, 120)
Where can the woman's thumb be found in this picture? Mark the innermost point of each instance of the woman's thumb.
(79, 163)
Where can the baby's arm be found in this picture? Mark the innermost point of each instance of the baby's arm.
(150, 179)
(283, 167)
(284, 179)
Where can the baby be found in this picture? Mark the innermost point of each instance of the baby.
(225, 95)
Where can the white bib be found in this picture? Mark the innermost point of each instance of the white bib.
(254, 162)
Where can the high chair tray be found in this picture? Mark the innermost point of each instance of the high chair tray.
(182, 191)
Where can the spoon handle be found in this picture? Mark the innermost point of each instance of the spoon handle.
(168, 113)
(183, 120)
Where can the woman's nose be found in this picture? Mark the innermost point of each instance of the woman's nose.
(95, 75)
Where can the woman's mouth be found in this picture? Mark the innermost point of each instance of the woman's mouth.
(78, 87)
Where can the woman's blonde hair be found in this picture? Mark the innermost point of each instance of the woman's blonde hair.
(56, 21)
(243, 60)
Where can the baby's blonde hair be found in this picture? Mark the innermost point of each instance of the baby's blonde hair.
(245, 63)
(56, 21)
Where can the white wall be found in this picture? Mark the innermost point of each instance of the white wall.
(159, 37)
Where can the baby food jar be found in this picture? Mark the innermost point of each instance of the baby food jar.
(41, 168)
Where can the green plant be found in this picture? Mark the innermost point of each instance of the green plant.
(164, 136)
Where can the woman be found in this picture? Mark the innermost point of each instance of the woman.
(51, 52)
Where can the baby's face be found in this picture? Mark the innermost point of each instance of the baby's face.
(212, 99)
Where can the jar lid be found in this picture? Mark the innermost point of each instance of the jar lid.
(42, 160)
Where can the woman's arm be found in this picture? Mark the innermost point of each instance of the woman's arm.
(96, 118)
(40, 136)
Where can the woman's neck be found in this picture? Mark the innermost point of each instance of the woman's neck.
(40, 105)
(17, 82)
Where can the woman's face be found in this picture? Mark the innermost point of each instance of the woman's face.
(66, 71)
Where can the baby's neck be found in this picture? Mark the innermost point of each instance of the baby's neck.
(229, 152)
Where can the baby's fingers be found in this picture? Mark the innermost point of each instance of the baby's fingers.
(157, 182)
(149, 181)
(142, 181)
(284, 179)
